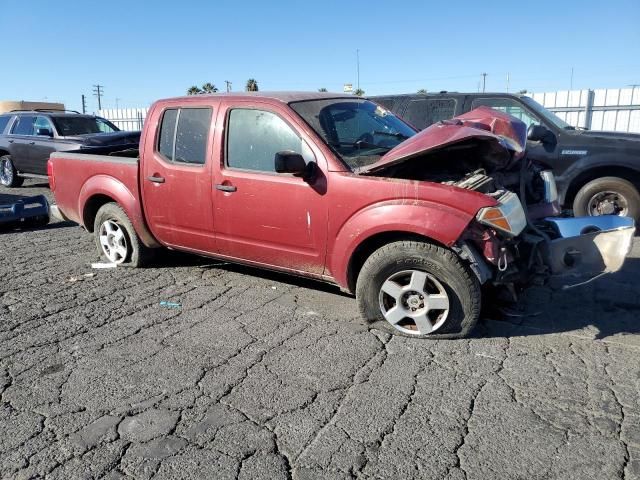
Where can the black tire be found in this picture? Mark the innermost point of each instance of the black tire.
(137, 254)
(8, 174)
(459, 282)
(620, 186)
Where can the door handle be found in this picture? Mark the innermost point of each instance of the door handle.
(156, 179)
(11, 141)
(226, 188)
(32, 143)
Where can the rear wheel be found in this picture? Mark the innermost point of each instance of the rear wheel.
(116, 239)
(420, 290)
(8, 173)
(608, 196)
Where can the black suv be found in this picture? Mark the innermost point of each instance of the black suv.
(597, 173)
(27, 138)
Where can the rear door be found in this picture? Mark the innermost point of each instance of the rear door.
(21, 141)
(176, 178)
(44, 145)
(262, 216)
(423, 112)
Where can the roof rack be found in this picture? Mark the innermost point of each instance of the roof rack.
(44, 110)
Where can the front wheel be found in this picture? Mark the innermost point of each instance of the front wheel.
(8, 173)
(116, 239)
(607, 196)
(420, 290)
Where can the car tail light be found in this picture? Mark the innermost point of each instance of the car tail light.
(52, 180)
(508, 216)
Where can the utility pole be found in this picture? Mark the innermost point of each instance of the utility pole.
(508, 83)
(484, 81)
(228, 85)
(571, 81)
(358, 67)
(98, 91)
(84, 104)
(118, 103)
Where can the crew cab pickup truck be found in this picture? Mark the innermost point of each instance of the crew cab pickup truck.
(598, 173)
(337, 188)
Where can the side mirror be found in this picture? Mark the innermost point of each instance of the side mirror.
(540, 133)
(289, 161)
(44, 132)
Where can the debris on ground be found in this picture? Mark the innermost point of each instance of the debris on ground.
(165, 303)
(27, 212)
(100, 265)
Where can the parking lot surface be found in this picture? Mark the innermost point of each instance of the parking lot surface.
(261, 375)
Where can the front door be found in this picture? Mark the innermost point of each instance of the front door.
(44, 145)
(176, 178)
(266, 217)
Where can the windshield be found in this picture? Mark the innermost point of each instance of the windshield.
(68, 126)
(546, 114)
(359, 131)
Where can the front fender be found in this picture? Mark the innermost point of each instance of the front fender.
(118, 191)
(440, 223)
(592, 162)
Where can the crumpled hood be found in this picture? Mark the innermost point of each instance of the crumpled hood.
(507, 134)
(106, 139)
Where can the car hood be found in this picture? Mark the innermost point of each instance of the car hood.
(506, 135)
(598, 134)
(106, 139)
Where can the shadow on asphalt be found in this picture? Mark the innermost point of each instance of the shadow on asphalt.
(611, 304)
(169, 258)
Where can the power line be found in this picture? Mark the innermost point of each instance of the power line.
(98, 91)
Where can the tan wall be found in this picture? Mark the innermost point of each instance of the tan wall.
(7, 106)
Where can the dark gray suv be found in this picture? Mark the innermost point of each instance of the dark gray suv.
(27, 138)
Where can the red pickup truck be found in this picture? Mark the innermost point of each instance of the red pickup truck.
(337, 188)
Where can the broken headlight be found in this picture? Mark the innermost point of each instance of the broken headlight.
(508, 216)
(550, 189)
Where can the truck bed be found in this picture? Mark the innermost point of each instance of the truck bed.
(76, 172)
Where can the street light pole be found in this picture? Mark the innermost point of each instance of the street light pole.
(358, 66)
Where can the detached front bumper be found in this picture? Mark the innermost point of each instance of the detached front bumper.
(587, 247)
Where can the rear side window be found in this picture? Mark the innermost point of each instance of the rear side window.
(507, 105)
(254, 138)
(3, 123)
(426, 111)
(24, 125)
(183, 135)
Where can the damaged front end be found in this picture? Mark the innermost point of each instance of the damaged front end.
(521, 241)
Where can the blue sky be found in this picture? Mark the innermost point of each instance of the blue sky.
(141, 51)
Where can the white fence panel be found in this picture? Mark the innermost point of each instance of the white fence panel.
(128, 119)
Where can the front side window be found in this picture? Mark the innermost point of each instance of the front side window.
(255, 136)
(24, 125)
(358, 131)
(43, 123)
(183, 135)
(510, 106)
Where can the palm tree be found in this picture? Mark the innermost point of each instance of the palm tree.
(422, 91)
(322, 89)
(193, 90)
(209, 88)
(358, 92)
(252, 85)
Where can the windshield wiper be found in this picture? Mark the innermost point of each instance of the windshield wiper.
(390, 134)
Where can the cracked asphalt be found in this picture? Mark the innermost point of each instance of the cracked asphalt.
(260, 375)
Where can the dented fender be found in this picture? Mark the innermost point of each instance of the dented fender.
(440, 223)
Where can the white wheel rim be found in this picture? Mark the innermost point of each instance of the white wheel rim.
(113, 241)
(6, 172)
(414, 302)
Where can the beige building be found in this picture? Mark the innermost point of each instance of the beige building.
(7, 106)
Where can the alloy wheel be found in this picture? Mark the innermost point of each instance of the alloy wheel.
(113, 241)
(414, 302)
